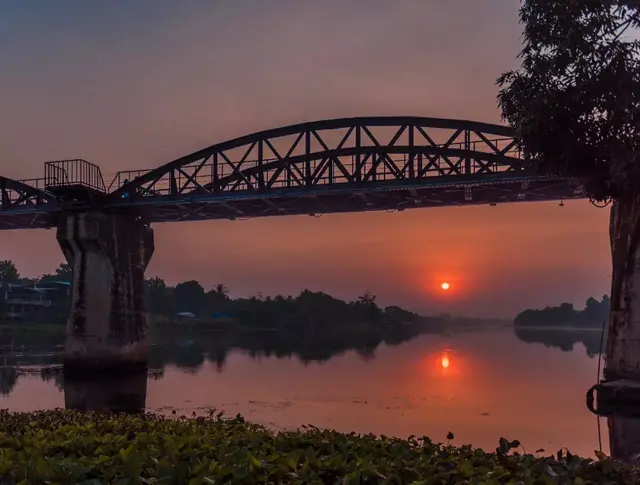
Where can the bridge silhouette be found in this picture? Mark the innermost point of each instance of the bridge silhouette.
(330, 166)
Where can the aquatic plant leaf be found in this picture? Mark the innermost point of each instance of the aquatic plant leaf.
(600, 455)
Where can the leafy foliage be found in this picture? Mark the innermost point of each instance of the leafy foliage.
(86, 448)
(575, 101)
(8, 272)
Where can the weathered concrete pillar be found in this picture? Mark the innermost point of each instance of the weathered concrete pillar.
(107, 325)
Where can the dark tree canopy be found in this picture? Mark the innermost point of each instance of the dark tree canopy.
(8, 272)
(189, 296)
(575, 100)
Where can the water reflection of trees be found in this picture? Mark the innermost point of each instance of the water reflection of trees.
(8, 380)
(190, 350)
(9, 376)
(563, 339)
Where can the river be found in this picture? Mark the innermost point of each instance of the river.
(479, 385)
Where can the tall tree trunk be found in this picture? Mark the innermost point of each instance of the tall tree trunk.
(623, 346)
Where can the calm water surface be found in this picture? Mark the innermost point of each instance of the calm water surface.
(479, 385)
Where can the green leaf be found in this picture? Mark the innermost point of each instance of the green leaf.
(254, 462)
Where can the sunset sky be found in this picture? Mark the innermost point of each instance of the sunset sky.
(133, 84)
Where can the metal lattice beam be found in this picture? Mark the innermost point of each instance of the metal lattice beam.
(344, 151)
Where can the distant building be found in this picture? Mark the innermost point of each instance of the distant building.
(35, 304)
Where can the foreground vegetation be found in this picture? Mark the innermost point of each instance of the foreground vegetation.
(71, 447)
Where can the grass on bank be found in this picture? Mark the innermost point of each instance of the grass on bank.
(68, 447)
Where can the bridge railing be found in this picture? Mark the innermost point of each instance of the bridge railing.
(65, 173)
(37, 183)
(125, 176)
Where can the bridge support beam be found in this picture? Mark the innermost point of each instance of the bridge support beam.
(107, 325)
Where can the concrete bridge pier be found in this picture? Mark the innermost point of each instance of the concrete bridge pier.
(107, 325)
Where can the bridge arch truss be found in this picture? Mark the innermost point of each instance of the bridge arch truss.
(341, 165)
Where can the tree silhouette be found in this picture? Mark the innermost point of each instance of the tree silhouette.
(8, 272)
(189, 297)
(367, 298)
(574, 104)
(159, 296)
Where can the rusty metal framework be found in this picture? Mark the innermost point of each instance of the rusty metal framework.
(341, 165)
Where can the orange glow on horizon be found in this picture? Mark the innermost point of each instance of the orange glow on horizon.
(444, 361)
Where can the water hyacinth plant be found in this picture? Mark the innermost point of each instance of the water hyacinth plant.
(69, 447)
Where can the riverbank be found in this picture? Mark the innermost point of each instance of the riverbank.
(73, 447)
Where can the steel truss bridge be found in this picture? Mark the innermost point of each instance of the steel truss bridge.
(330, 166)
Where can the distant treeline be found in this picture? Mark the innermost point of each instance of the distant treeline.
(189, 301)
(9, 275)
(311, 311)
(565, 315)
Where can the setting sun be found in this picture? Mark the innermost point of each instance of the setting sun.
(444, 361)
(445, 286)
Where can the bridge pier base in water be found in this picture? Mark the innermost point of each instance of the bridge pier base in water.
(107, 325)
(114, 393)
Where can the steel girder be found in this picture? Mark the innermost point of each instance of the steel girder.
(354, 151)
